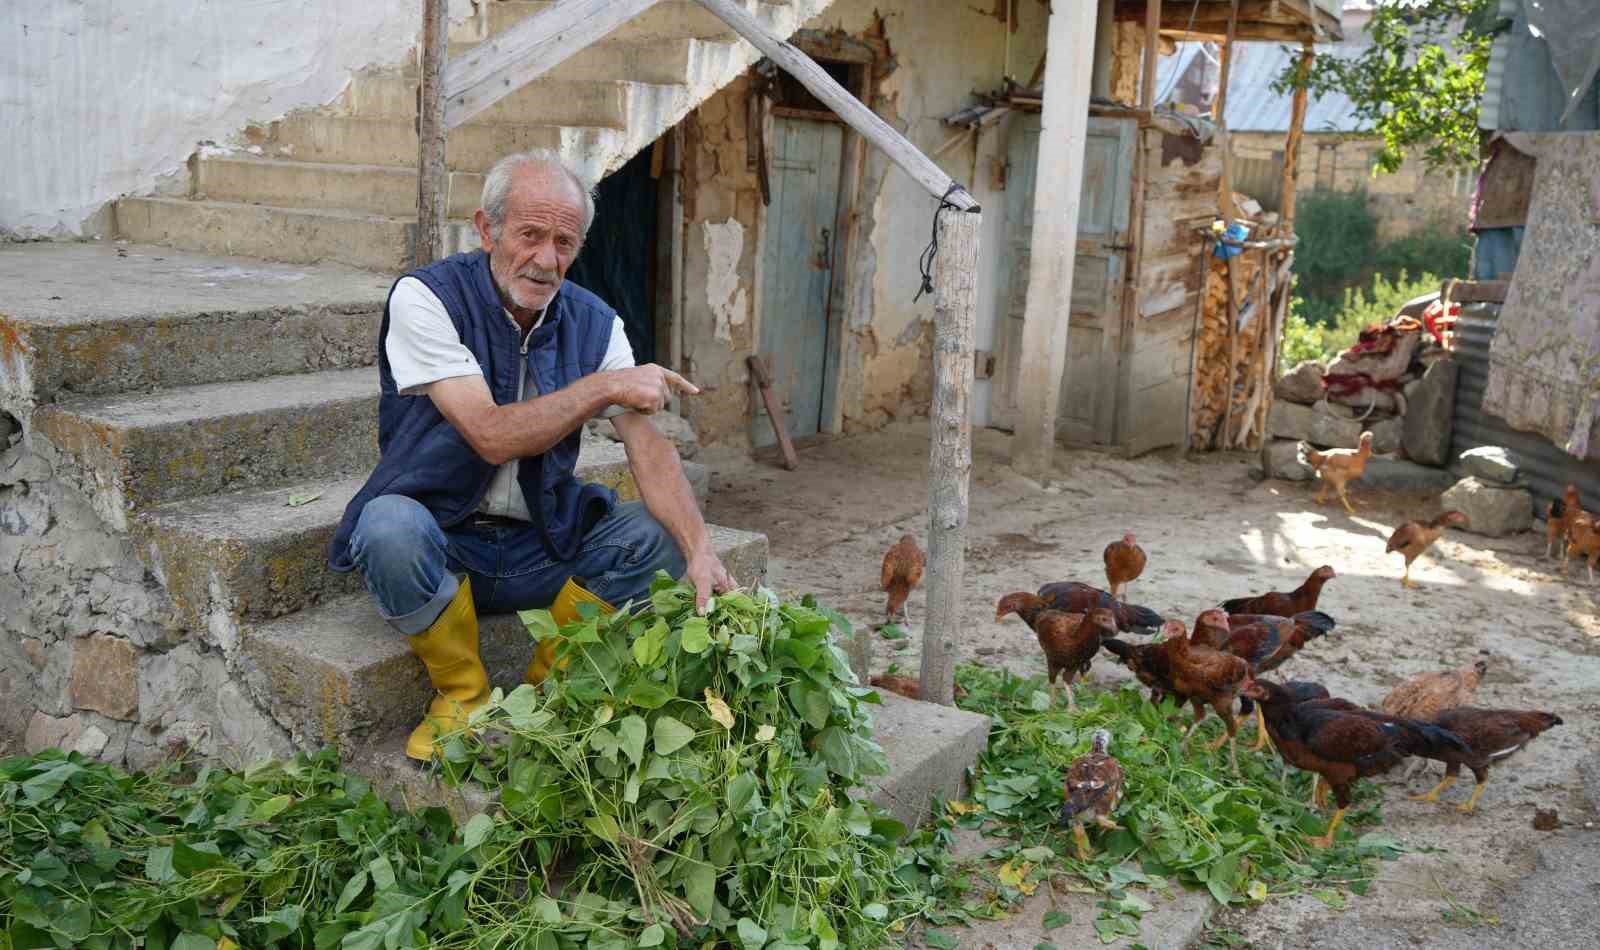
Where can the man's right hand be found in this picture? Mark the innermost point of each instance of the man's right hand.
(647, 389)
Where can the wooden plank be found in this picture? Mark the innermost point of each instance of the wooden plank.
(432, 177)
(1479, 291)
(1291, 144)
(758, 372)
(1220, 113)
(955, 292)
(510, 60)
(900, 151)
(1152, 53)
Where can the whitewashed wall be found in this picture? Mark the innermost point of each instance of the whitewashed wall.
(100, 98)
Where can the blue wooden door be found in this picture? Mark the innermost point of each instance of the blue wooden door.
(797, 270)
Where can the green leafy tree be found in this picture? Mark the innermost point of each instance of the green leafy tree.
(1420, 82)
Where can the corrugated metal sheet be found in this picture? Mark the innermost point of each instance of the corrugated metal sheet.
(1546, 467)
(1252, 105)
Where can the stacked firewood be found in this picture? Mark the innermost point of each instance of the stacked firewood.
(1234, 372)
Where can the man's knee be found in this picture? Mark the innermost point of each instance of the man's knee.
(390, 527)
(658, 550)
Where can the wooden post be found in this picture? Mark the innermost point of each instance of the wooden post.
(1220, 113)
(1152, 53)
(780, 426)
(955, 291)
(433, 184)
(1059, 183)
(1291, 145)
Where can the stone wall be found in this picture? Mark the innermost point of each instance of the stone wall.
(91, 654)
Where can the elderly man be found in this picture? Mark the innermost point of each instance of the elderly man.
(490, 366)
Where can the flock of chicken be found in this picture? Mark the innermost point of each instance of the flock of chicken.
(1223, 661)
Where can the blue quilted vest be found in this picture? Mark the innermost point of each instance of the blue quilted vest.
(422, 456)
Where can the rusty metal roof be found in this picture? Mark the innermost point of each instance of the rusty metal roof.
(1252, 104)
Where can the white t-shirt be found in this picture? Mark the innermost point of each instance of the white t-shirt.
(423, 348)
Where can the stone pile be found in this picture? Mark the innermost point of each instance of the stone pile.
(1493, 496)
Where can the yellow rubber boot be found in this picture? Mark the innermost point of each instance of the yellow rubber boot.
(564, 611)
(449, 649)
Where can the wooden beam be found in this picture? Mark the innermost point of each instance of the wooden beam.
(508, 61)
(1291, 144)
(780, 425)
(871, 127)
(433, 179)
(1220, 113)
(1209, 30)
(955, 293)
(1152, 53)
(1059, 183)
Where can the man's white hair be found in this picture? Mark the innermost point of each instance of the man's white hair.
(497, 184)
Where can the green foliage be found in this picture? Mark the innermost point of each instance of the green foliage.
(1318, 329)
(1338, 240)
(1184, 816)
(1420, 82)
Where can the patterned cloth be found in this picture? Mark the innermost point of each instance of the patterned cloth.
(1544, 360)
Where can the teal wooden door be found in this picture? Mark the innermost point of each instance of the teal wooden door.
(797, 271)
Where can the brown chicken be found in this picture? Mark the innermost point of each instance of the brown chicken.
(1149, 663)
(1583, 539)
(1069, 640)
(1339, 467)
(1124, 563)
(1279, 604)
(1413, 537)
(1205, 677)
(1091, 791)
(903, 564)
(1491, 735)
(908, 686)
(1558, 517)
(1426, 695)
(1343, 744)
(1212, 628)
(1075, 597)
(1269, 643)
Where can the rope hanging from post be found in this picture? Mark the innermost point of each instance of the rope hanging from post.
(925, 260)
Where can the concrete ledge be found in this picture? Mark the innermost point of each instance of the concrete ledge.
(930, 748)
(251, 556)
(295, 235)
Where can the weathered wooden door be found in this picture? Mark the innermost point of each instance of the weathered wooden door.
(1087, 408)
(797, 270)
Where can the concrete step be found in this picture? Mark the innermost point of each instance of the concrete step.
(134, 451)
(664, 60)
(930, 748)
(314, 137)
(291, 235)
(668, 20)
(545, 101)
(336, 673)
(387, 190)
(249, 555)
(62, 336)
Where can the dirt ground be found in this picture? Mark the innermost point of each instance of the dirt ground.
(1211, 533)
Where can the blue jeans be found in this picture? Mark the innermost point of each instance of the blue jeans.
(410, 563)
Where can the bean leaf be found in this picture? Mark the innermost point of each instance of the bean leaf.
(478, 829)
(696, 635)
(671, 735)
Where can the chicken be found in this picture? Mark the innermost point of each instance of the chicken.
(1069, 640)
(1268, 644)
(1426, 695)
(1491, 735)
(1124, 563)
(1091, 791)
(1342, 745)
(1075, 597)
(902, 572)
(1205, 677)
(1413, 537)
(1279, 604)
(1212, 628)
(1339, 467)
(1583, 539)
(908, 686)
(1558, 516)
(1148, 662)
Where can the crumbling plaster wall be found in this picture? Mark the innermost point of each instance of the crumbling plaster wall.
(940, 54)
(92, 657)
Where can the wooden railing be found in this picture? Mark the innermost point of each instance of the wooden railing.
(451, 93)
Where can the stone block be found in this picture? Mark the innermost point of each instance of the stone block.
(1387, 435)
(1493, 510)
(1303, 384)
(1428, 414)
(930, 748)
(1281, 459)
(51, 732)
(1312, 424)
(105, 677)
(1392, 474)
(1491, 463)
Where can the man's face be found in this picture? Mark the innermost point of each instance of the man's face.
(538, 240)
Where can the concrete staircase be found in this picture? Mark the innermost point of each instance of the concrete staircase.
(191, 419)
(338, 184)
